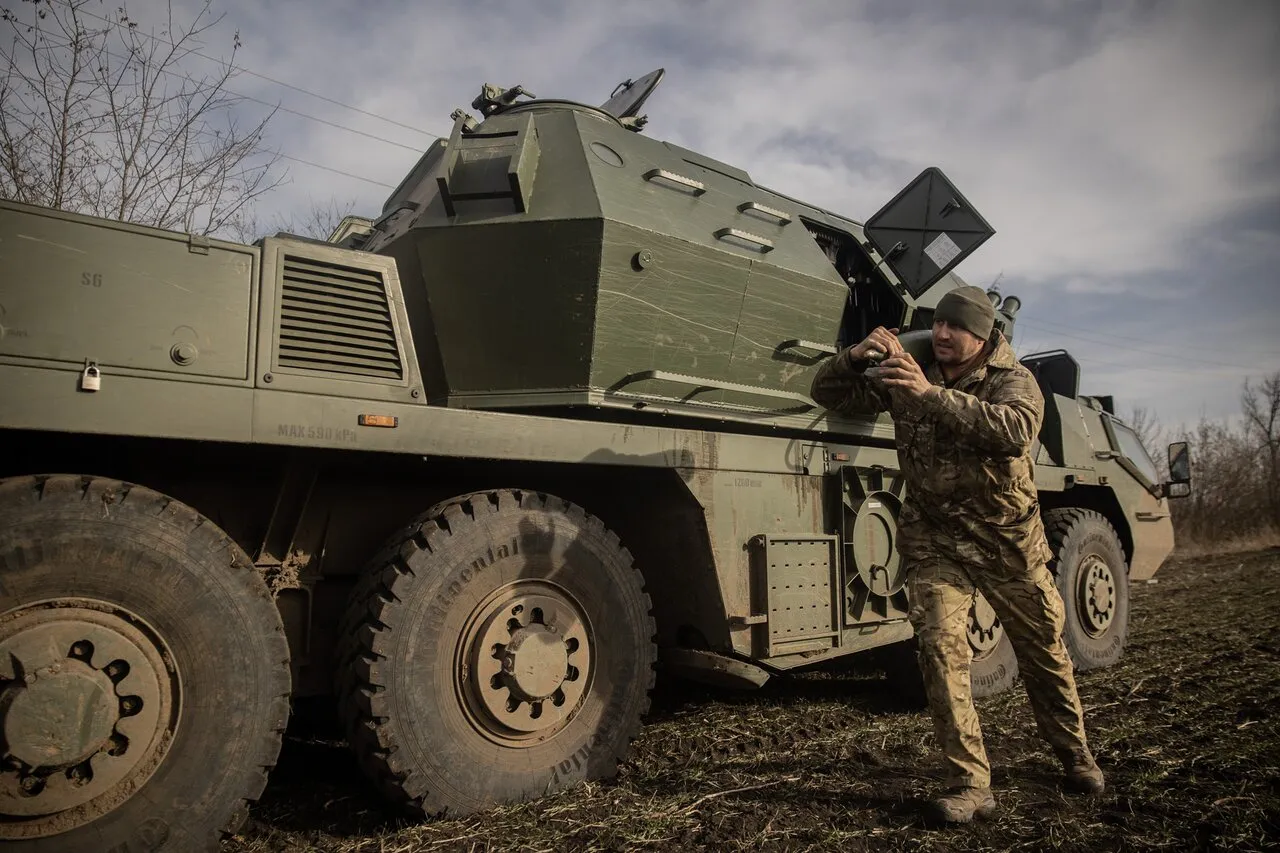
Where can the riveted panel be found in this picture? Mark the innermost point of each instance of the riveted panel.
(801, 582)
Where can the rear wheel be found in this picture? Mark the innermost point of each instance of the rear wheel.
(1093, 579)
(993, 670)
(502, 650)
(144, 672)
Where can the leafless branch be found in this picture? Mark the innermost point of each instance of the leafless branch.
(109, 120)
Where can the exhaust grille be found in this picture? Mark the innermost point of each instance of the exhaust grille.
(336, 319)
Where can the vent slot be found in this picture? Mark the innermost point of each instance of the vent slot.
(336, 319)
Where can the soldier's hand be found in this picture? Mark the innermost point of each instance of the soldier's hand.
(880, 340)
(902, 373)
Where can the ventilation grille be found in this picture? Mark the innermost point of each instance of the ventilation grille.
(336, 319)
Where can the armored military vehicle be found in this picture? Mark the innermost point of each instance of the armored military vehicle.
(476, 467)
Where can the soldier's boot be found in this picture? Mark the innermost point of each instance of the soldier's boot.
(961, 805)
(1081, 774)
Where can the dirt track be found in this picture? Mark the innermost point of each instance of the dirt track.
(1187, 728)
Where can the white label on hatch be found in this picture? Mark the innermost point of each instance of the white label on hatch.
(942, 250)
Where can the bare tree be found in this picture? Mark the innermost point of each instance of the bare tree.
(1151, 434)
(98, 116)
(1261, 407)
(318, 220)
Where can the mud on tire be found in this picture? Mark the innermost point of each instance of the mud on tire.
(117, 598)
(500, 650)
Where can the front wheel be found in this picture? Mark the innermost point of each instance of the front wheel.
(1093, 579)
(501, 650)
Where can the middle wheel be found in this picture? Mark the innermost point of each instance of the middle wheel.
(502, 651)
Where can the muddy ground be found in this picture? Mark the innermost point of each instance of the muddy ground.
(1186, 726)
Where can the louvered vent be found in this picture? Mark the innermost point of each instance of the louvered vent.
(336, 319)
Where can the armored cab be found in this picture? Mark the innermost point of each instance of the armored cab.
(554, 257)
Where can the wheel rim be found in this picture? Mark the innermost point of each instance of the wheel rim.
(88, 708)
(525, 662)
(985, 630)
(1095, 595)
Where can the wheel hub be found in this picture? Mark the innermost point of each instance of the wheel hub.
(1096, 595)
(535, 662)
(60, 715)
(527, 654)
(88, 707)
(985, 629)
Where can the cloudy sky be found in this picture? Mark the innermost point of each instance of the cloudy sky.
(1127, 153)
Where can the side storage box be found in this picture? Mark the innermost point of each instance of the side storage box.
(77, 289)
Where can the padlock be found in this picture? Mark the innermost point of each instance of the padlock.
(91, 378)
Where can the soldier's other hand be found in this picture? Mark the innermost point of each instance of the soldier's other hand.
(902, 373)
(880, 340)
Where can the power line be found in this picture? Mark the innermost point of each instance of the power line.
(416, 149)
(1113, 345)
(206, 133)
(374, 136)
(1088, 359)
(1056, 326)
(260, 76)
(335, 171)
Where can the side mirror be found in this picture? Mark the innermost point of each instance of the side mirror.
(1179, 485)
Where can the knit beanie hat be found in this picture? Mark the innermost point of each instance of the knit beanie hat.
(969, 308)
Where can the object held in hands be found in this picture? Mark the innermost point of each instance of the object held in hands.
(918, 343)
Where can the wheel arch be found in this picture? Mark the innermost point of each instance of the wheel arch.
(664, 527)
(1101, 500)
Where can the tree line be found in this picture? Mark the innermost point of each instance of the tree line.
(1235, 470)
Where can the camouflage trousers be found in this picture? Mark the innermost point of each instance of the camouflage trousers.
(1030, 609)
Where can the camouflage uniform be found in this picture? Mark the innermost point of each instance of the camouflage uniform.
(971, 521)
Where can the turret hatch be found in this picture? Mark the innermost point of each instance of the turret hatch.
(926, 230)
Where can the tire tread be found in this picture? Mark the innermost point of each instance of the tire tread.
(30, 490)
(371, 735)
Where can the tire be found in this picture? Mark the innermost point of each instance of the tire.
(1093, 578)
(457, 693)
(993, 669)
(135, 620)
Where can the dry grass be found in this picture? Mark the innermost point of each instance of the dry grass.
(1185, 727)
(1258, 541)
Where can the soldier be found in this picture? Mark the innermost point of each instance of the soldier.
(971, 521)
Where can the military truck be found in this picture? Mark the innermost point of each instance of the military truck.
(476, 467)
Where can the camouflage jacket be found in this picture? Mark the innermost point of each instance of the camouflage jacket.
(966, 453)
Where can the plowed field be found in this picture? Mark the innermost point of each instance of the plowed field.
(1186, 727)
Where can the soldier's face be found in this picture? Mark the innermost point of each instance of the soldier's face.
(954, 345)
